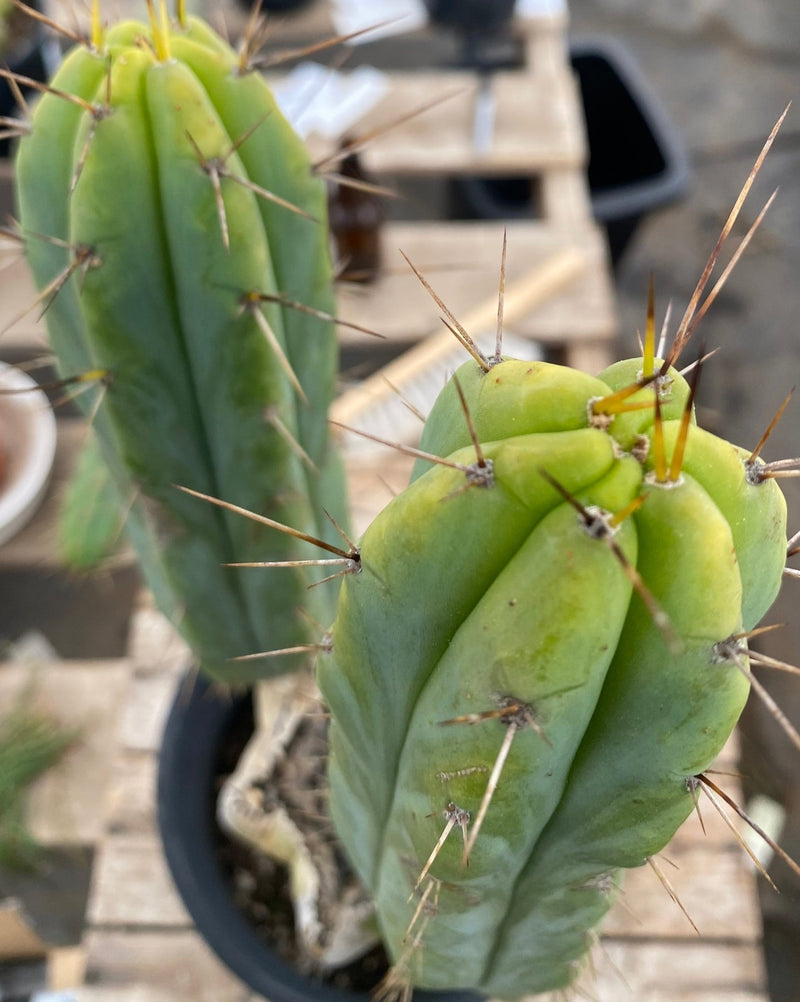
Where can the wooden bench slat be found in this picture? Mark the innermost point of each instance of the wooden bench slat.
(461, 261)
(177, 964)
(131, 885)
(536, 124)
(66, 805)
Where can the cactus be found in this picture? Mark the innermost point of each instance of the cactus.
(544, 647)
(174, 224)
(539, 646)
(89, 517)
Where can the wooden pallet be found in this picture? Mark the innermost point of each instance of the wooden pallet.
(538, 133)
(574, 315)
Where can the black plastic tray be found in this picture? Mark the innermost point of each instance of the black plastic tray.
(637, 160)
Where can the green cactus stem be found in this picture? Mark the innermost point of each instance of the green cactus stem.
(526, 673)
(170, 215)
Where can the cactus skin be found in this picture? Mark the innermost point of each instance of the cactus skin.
(470, 593)
(89, 518)
(196, 396)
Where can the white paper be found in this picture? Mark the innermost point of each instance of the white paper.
(316, 99)
(540, 8)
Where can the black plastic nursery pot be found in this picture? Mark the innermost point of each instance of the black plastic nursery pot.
(199, 723)
(637, 161)
(471, 15)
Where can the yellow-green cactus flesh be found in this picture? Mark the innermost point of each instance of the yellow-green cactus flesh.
(530, 649)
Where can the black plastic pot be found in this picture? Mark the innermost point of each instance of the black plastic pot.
(195, 734)
(637, 161)
(471, 15)
(482, 26)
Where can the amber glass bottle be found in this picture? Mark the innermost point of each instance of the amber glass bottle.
(356, 218)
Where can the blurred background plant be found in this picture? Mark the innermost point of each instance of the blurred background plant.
(30, 744)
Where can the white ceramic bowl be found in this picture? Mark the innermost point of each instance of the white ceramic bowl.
(27, 449)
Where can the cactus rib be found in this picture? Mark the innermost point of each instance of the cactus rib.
(214, 384)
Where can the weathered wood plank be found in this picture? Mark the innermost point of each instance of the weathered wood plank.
(66, 806)
(131, 885)
(713, 885)
(127, 993)
(176, 963)
(131, 795)
(154, 645)
(537, 124)
(565, 196)
(150, 698)
(373, 479)
(679, 972)
(178, 967)
(66, 967)
(461, 260)
(17, 939)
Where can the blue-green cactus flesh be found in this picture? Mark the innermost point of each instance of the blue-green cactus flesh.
(142, 199)
(525, 676)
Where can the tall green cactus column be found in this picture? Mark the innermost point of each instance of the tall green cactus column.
(170, 214)
(535, 661)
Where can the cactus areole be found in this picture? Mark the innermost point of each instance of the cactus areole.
(542, 650)
(173, 224)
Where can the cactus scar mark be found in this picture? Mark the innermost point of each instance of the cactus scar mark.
(515, 715)
(469, 770)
